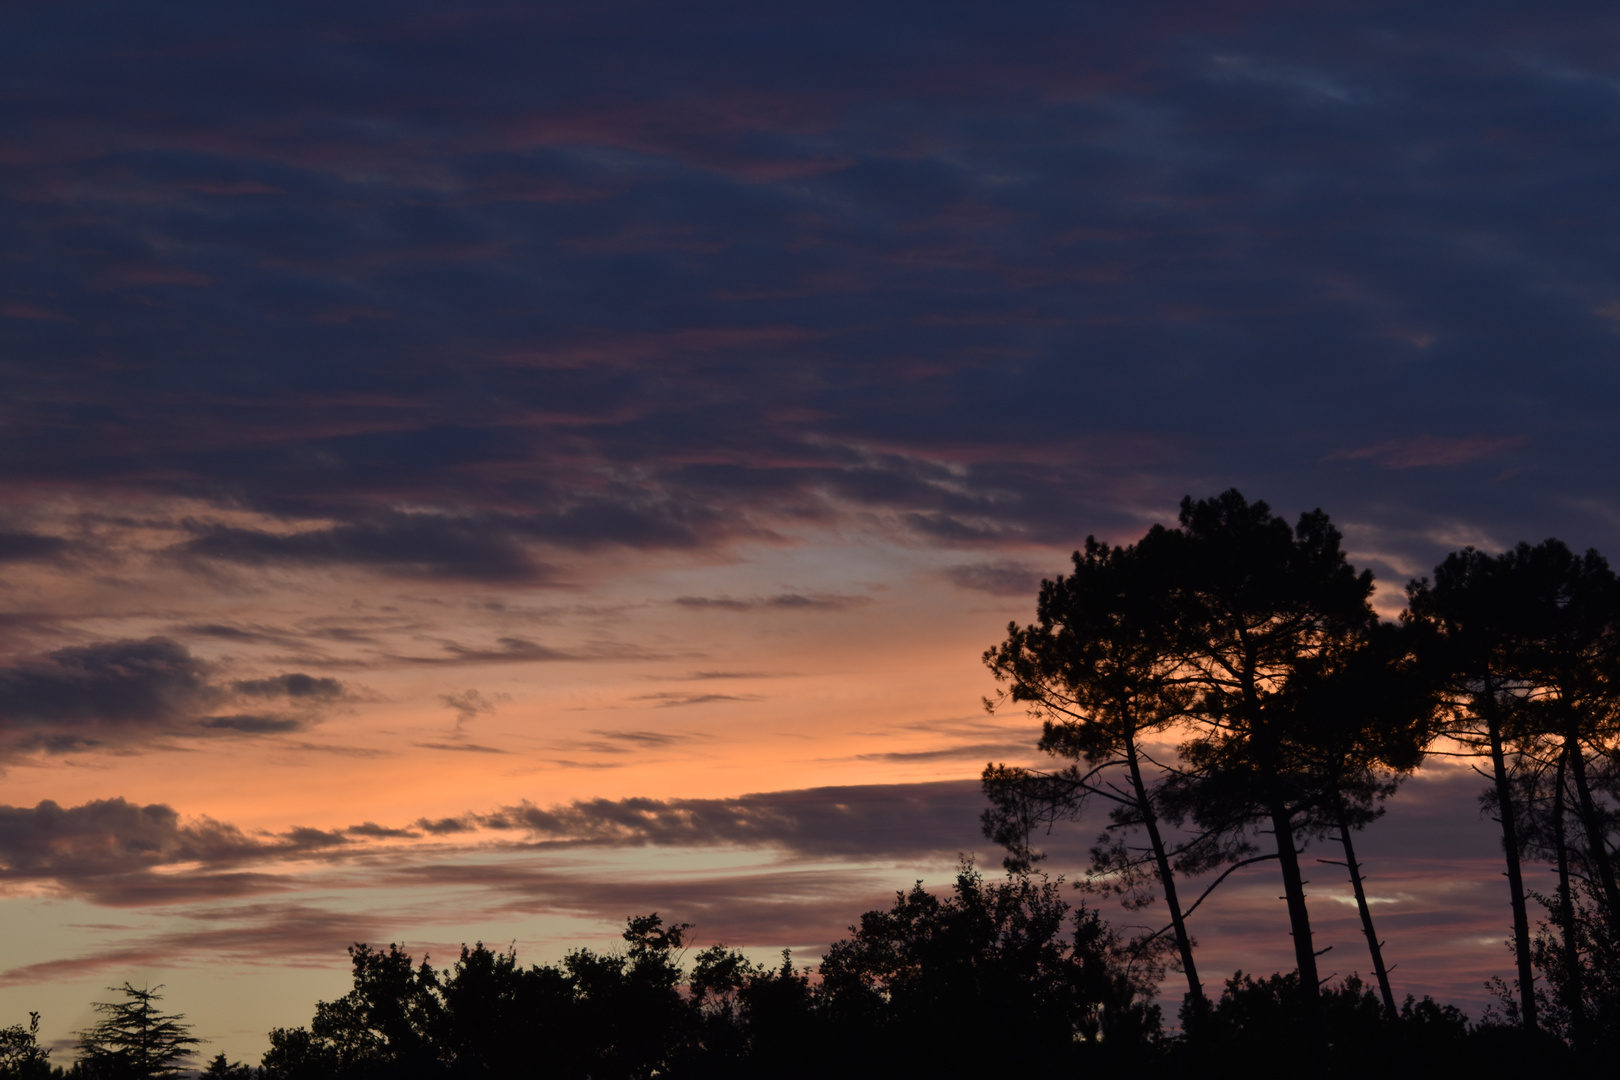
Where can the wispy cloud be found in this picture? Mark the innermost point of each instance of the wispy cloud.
(1431, 451)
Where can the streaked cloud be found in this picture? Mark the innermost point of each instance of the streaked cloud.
(120, 694)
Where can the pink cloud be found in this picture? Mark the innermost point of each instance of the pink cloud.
(1423, 451)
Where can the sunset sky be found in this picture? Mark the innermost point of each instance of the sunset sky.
(480, 471)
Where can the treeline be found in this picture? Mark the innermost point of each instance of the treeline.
(988, 977)
(1225, 690)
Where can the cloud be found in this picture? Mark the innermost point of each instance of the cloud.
(30, 547)
(704, 676)
(1431, 451)
(422, 544)
(250, 935)
(1000, 578)
(470, 703)
(112, 851)
(121, 693)
(449, 826)
(996, 288)
(779, 602)
(970, 752)
(252, 725)
(296, 686)
(109, 684)
(372, 830)
(516, 650)
(866, 821)
(672, 700)
(642, 738)
(465, 747)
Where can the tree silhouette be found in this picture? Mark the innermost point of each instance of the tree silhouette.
(598, 1015)
(985, 958)
(1557, 622)
(222, 1068)
(1473, 612)
(1100, 669)
(1266, 616)
(1483, 614)
(134, 1038)
(21, 1056)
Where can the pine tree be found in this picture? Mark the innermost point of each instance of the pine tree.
(134, 1039)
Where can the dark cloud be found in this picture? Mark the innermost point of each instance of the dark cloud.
(863, 821)
(515, 650)
(465, 747)
(671, 700)
(1428, 451)
(111, 851)
(1003, 280)
(642, 738)
(119, 693)
(780, 602)
(969, 752)
(231, 633)
(432, 545)
(1000, 578)
(449, 826)
(470, 703)
(252, 725)
(297, 686)
(108, 845)
(30, 547)
(705, 676)
(110, 684)
(371, 830)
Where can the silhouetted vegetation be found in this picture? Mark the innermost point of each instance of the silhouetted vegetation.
(1295, 714)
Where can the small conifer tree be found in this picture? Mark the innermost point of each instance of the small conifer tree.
(133, 1038)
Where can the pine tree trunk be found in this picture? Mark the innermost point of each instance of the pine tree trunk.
(1592, 823)
(1167, 878)
(1572, 991)
(1299, 919)
(1373, 944)
(1515, 874)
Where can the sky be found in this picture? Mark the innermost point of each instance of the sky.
(481, 471)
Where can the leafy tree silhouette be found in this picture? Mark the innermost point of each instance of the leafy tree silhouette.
(134, 1039)
(597, 1014)
(21, 1056)
(903, 990)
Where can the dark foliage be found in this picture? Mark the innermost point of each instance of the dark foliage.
(21, 1056)
(940, 984)
(134, 1039)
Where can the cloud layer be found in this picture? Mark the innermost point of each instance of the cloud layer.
(120, 694)
(1004, 278)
